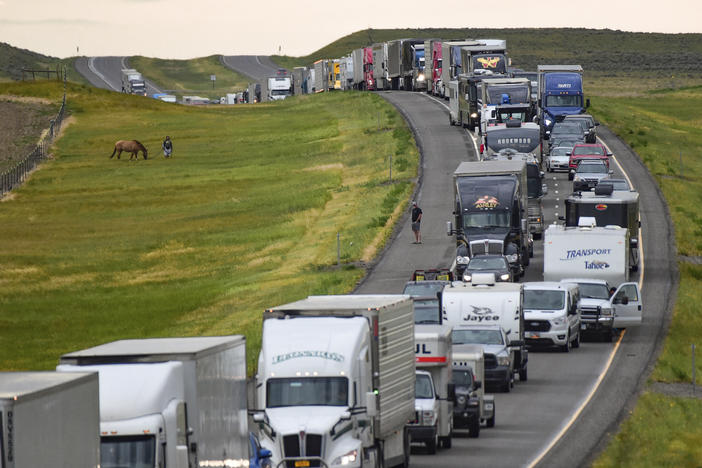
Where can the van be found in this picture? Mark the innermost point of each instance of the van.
(552, 314)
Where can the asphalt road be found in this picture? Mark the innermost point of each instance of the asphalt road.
(256, 67)
(106, 73)
(531, 418)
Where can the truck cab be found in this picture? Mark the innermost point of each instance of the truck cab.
(472, 406)
(552, 314)
(560, 93)
(424, 428)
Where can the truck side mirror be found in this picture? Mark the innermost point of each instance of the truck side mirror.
(264, 453)
(525, 226)
(587, 102)
(449, 228)
(544, 189)
(371, 404)
(477, 385)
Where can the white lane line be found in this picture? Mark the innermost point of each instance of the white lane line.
(472, 137)
(91, 66)
(587, 399)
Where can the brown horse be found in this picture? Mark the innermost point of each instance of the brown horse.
(130, 146)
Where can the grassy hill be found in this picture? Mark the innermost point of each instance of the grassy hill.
(14, 59)
(190, 76)
(598, 50)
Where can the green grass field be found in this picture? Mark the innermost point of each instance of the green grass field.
(665, 129)
(191, 76)
(243, 217)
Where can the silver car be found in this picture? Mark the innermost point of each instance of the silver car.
(558, 158)
(588, 174)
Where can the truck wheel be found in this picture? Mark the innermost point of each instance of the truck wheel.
(566, 347)
(451, 122)
(474, 429)
(432, 444)
(576, 341)
(523, 374)
(406, 448)
(445, 442)
(491, 422)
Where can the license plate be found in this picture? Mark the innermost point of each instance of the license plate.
(488, 406)
(583, 326)
(302, 463)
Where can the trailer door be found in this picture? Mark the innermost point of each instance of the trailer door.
(628, 306)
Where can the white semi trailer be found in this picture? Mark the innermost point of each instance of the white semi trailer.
(49, 419)
(170, 402)
(336, 380)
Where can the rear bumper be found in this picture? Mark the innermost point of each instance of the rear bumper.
(498, 376)
(464, 417)
(421, 433)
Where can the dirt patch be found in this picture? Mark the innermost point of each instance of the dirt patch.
(677, 389)
(20, 128)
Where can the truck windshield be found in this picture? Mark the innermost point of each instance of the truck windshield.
(495, 63)
(483, 220)
(426, 311)
(476, 337)
(593, 291)
(486, 201)
(423, 289)
(508, 94)
(564, 100)
(307, 391)
(423, 387)
(538, 299)
(131, 451)
(280, 92)
(462, 378)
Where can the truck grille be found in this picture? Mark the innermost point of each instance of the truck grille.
(483, 247)
(589, 312)
(313, 448)
(537, 325)
(490, 361)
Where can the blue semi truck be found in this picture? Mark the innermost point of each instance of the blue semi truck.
(560, 93)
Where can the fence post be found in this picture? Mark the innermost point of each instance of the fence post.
(338, 249)
(693, 369)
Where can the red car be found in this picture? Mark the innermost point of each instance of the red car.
(588, 151)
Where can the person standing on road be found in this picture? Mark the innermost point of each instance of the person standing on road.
(416, 219)
(167, 147)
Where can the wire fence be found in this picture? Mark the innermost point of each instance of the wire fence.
(15, 176)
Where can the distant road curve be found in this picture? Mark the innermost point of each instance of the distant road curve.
(106, 73)
(256, 67)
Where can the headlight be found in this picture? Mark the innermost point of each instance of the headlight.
(420, 77)
(427, 418)
(605, 310)
(504, 277)
(577, 179)
(467, 278)
(461, 400)
(547, 122)
(558, 321)
(473, 115)
(346, 458)
(503, 360)
(462, 260)
(512, 258)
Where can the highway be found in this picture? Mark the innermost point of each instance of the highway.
(106, 73)
(571, 403)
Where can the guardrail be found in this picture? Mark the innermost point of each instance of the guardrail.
(15, 176)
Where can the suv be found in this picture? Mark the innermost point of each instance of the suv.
(552, 314)
(489, 263)
(588, 174)
(589, 124)
(588, 151)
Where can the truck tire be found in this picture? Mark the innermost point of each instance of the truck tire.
(445, 442)
(576, 341)
(407, 450)
(523, 374)
(566, 347)
(491, 421)
(474, 429)
(433, 444)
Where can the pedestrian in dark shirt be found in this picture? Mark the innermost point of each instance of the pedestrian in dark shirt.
(167, 147)
(416, 219)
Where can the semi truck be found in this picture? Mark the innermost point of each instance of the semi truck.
(170, 402)
(279, 87)
(133, 82)
(434, 395)
(560, 93)
(473, 406)
(321, 73)
(608, 207)
(490, 314)
(368, 83)
(359, 65)
(486, 55)
(499, 100)
(49, 419)
(420, 73)
(491, 212)
(432, 65)
(380, 66)
(336, 380)
(451, 62)
(536, 188)
(468, 110)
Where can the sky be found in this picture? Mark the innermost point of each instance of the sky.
(196, 28)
